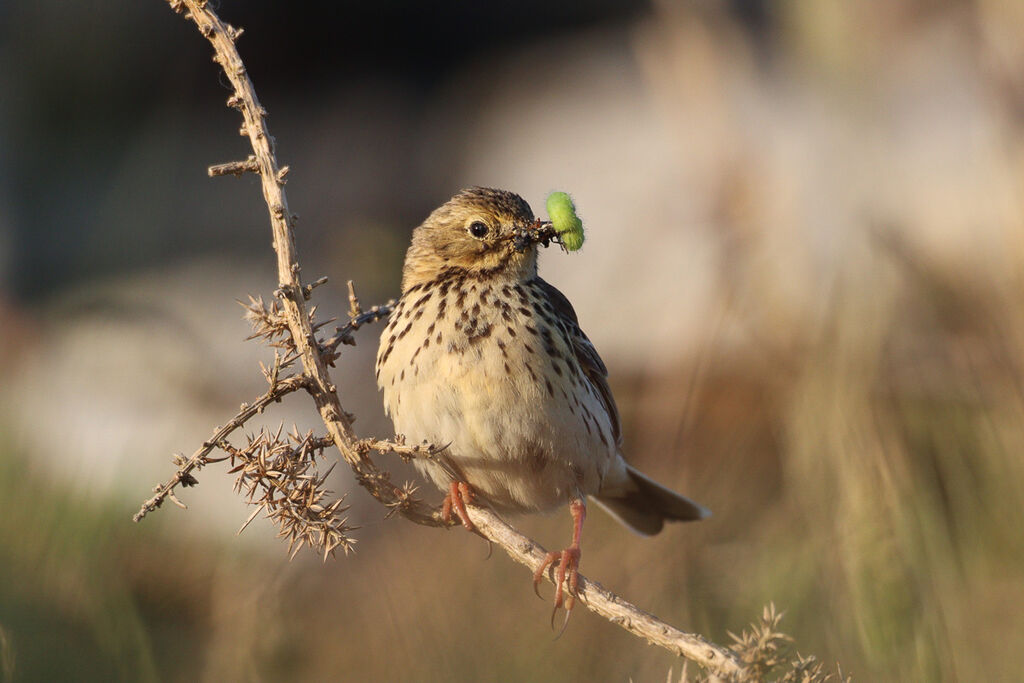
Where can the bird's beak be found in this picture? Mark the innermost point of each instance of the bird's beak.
(538, 232)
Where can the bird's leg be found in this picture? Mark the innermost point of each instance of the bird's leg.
(459, 494)
(567, 574)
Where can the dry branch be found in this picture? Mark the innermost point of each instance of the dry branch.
(316, 379)
(607, 604)
(358, 318)
(291, 292)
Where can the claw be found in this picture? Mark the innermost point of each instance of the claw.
(565, 622)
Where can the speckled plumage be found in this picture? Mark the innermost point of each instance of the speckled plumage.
(485, 356)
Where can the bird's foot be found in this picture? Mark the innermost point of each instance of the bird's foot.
(459, 494)
(565, 564)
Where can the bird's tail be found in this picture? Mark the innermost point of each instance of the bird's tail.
(645, 505)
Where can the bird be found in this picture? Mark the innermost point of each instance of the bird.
(485, 358)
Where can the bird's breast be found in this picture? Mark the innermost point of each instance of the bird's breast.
(482, 367)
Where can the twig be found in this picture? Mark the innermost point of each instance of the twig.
(398, 446)
(235, 168)
(424, 451)
(183, 476)
(343, 335)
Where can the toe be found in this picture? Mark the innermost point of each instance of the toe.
(538, 575)
(459, 494)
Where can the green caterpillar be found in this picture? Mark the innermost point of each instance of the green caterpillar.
(565, 221)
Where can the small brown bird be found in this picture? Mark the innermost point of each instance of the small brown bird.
(485, 357)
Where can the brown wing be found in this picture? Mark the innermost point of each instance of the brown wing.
(593, 367)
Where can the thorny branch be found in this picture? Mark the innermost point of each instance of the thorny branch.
(291, 293)
(277, 391)
(288, 324)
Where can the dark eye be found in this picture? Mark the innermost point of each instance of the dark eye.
(478, 229)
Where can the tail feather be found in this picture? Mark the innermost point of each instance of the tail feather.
(646, 505)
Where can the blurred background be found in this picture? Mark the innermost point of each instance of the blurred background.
(803, 268)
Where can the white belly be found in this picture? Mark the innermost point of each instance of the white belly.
(484, 390)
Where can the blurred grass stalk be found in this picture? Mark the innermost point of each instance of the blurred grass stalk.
(890, 357)
(66, 607)
(903, 442)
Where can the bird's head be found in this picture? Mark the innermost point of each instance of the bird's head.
(481, 232)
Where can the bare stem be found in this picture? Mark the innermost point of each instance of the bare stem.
(343, 335)
(607, 604)
(235, 168)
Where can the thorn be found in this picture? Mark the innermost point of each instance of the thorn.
(307, 290)
(354, 310)
(251, 517)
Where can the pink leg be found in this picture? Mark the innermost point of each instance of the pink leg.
(567, 573)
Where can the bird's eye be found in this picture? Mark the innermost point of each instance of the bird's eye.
(478, 229)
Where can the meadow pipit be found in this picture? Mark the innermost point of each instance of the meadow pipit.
(485, 357)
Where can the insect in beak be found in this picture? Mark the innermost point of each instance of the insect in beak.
(538, 232)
